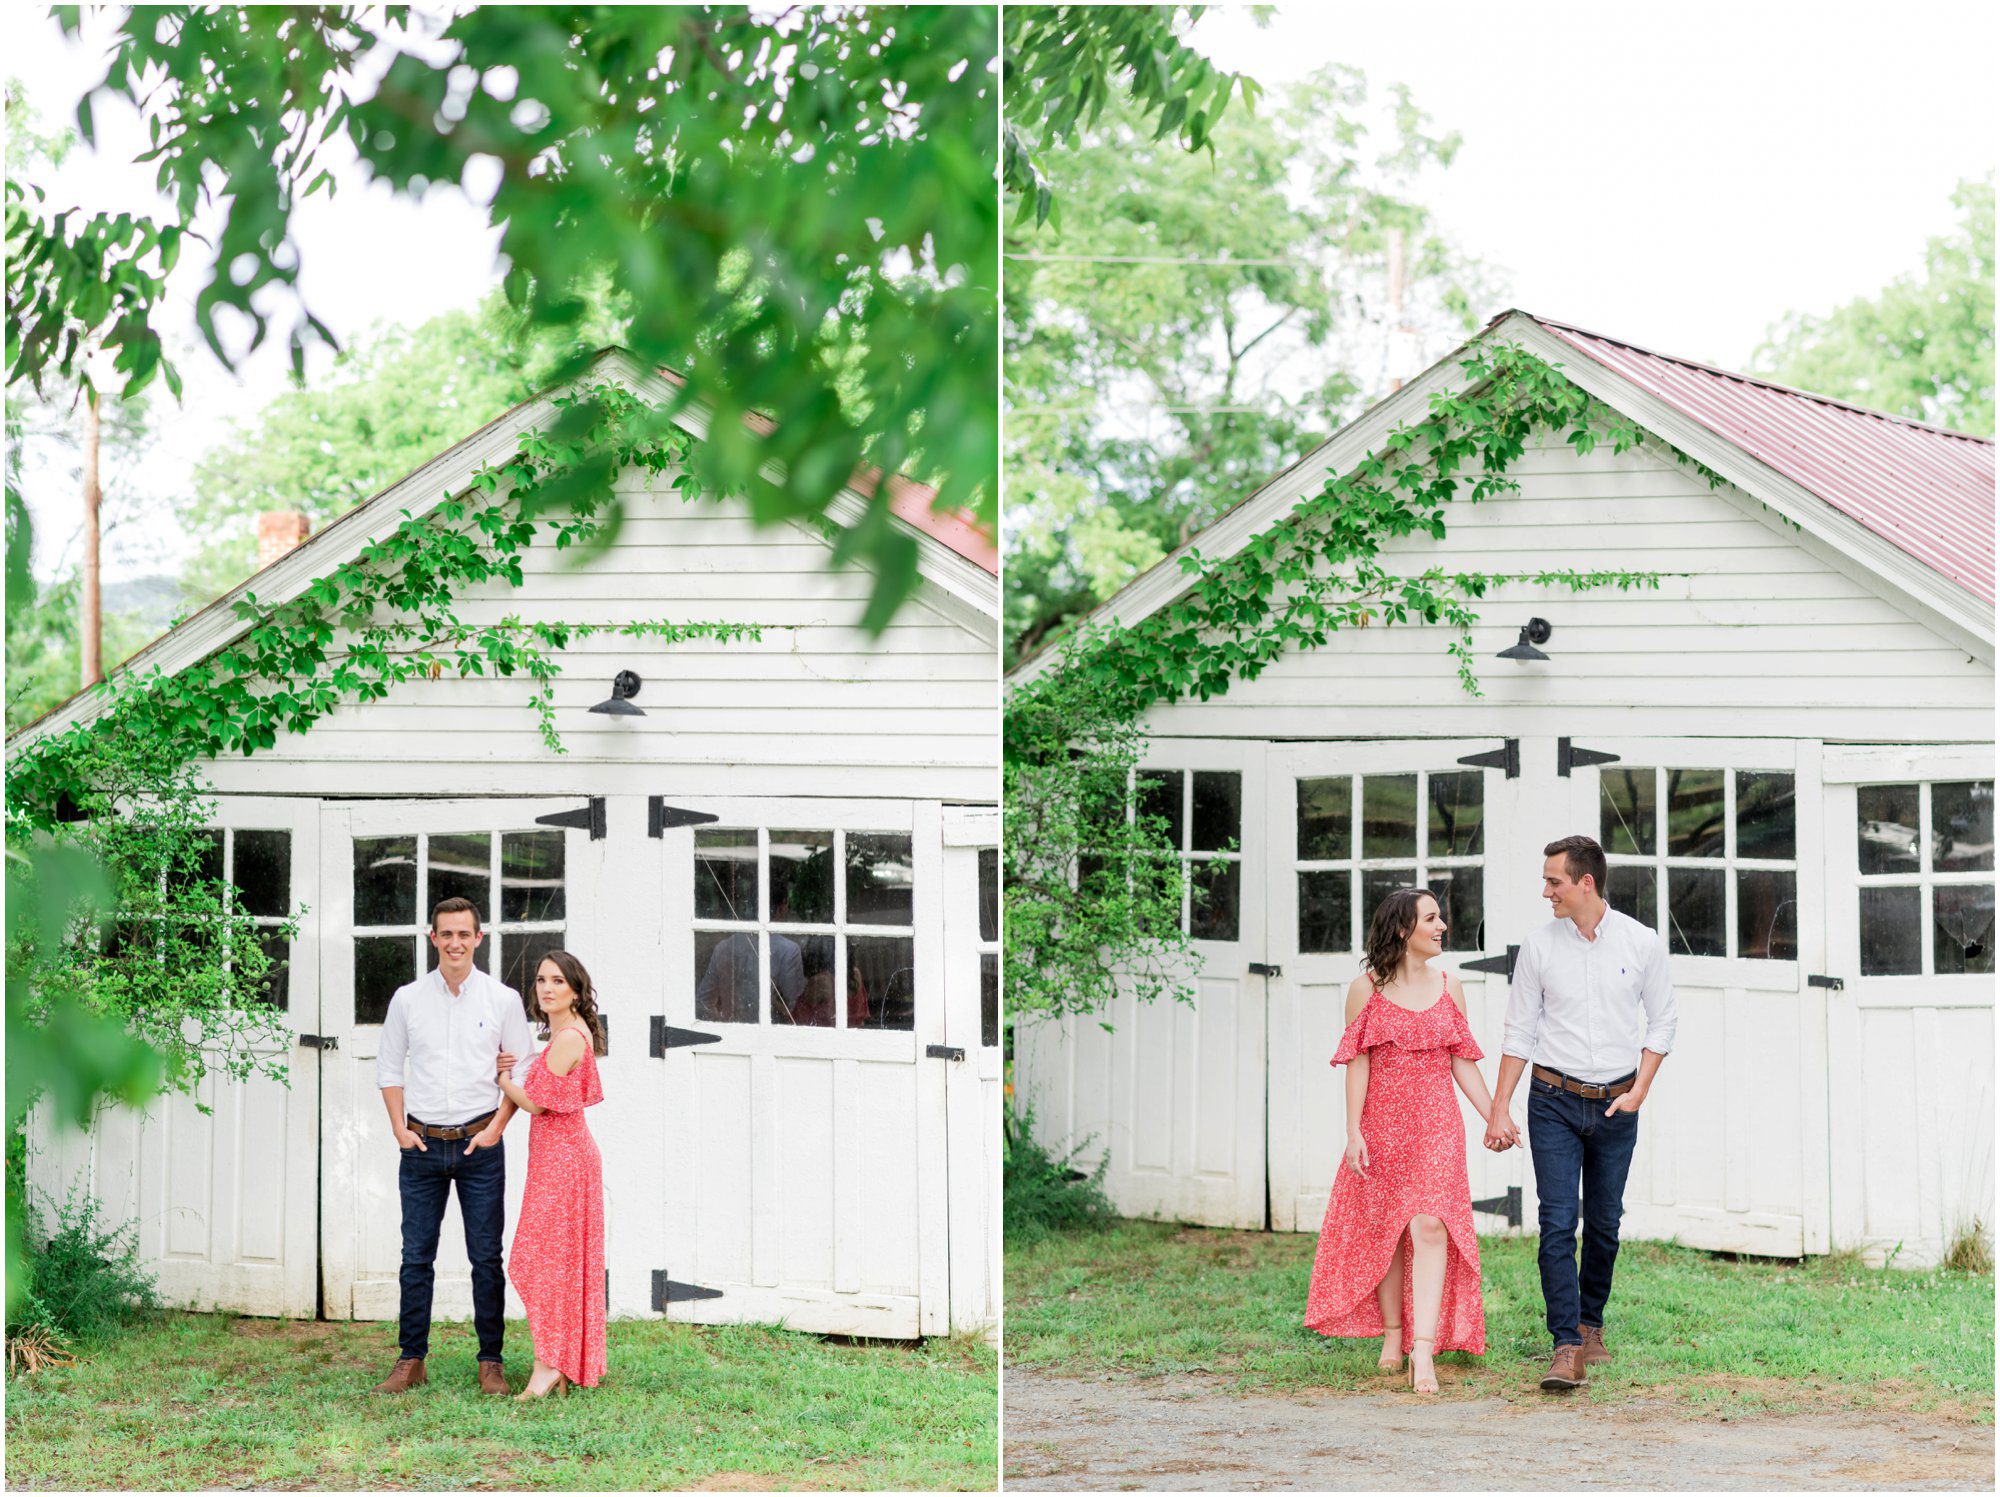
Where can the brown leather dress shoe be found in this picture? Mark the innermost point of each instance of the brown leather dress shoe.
(1565, 1370)
(492, 1379)
(409, 1374)
(1594, 1349)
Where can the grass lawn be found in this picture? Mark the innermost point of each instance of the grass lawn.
(1144, 1299)
(185, 1400)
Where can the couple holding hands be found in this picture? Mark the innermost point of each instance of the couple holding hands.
(451, 1043)
(1591, 1014)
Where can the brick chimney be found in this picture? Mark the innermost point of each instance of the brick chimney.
(279, 531)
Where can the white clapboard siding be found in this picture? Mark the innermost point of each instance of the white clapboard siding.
(817, 706)
(1772, 636)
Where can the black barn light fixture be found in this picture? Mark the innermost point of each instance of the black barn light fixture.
(624, 686)
(1537, 632)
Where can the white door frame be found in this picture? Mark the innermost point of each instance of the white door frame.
(973, 1164)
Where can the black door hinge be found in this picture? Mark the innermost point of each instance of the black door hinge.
(320, 1041)
(1507, 757)
(665, 1037)
(1265, 969)
(1494, 963)
(660, 816)
(1815, 980)
(668, 1291)
(1508, 1206)
(586, 818)
(1569, 756)
(944, 1052)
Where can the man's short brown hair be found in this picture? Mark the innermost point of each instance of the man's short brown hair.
(1581, 855)
(457, 905)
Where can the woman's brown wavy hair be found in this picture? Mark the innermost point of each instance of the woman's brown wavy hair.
(579, 984)
(1389, 931)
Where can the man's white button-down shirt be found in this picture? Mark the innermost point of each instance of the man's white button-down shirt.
(440, 1047)
(1586, 1008)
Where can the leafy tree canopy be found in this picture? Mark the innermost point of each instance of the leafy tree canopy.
(1922, 347)
(1241, 302)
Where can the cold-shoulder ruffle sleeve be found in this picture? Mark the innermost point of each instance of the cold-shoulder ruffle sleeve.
(1462, 1044)
(1369, 1029)
(571, 1093)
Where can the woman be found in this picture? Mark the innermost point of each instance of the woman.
(1397, 1257)
(557, 1265)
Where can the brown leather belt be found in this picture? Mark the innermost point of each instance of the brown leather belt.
(447, 1135)
(1590, 1091)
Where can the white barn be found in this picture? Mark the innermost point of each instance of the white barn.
(836, 1173)
(1786, 749)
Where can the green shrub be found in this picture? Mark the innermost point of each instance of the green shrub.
(83, 1279)
(1045, 1192)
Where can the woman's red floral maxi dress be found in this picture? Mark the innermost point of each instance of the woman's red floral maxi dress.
(1416, 1167)
(557, 1264)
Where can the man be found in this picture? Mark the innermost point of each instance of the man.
(441, 1045)
(1592, 1011)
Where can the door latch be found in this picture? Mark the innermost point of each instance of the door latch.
(1265, 969)
(320, 1041)
(944, 1052)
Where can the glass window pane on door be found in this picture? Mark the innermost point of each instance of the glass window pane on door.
(531, 876)
(802, 877)
(264, 872)
(1457, 815)
(382, 964)
(1628, 806)
(208, 856)
(882, 982)
(1216, 900)
(1696, 905)
(1891, 935)
(989, 894)
(1389, 816)
(1767, 914)
(1962, 933)
(1631, 891)
(1461, 897)
(1159, 797)
(1326, 911)
(276, 987)
(461, 867)
(1695, 810)
(881, 879)
(1886, 828)
(1377, 884)
(1766, 818)
(385, 882)
(725, 977)
(804, 980)
(725, 875)
(1218, 810)
(1962, 827)
(989, 998)
(1326, 819)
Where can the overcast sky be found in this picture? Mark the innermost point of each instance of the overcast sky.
(1680, 175)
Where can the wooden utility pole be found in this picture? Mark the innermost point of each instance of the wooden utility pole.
(1395, 308)
(90, 631)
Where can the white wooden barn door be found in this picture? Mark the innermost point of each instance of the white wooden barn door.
(1173, 1093)
(384, 865)
(225, 1201)
(1348, 822)
(973, 1078)
(1719, 844)
(804, 1165)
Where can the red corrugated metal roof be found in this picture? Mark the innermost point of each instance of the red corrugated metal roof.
(1927, 491)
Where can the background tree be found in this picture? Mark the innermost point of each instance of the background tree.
(1241, 302)
(1922, 347)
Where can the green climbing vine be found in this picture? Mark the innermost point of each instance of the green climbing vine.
(1073, 731)
(385, 617)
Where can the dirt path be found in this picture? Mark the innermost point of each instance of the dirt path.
(1189, 1435)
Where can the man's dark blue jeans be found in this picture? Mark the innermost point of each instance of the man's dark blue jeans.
(424, 1180)
(1578, 1150)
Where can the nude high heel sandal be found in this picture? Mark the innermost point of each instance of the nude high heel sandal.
(1392, 1364)
(1414, 1341)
